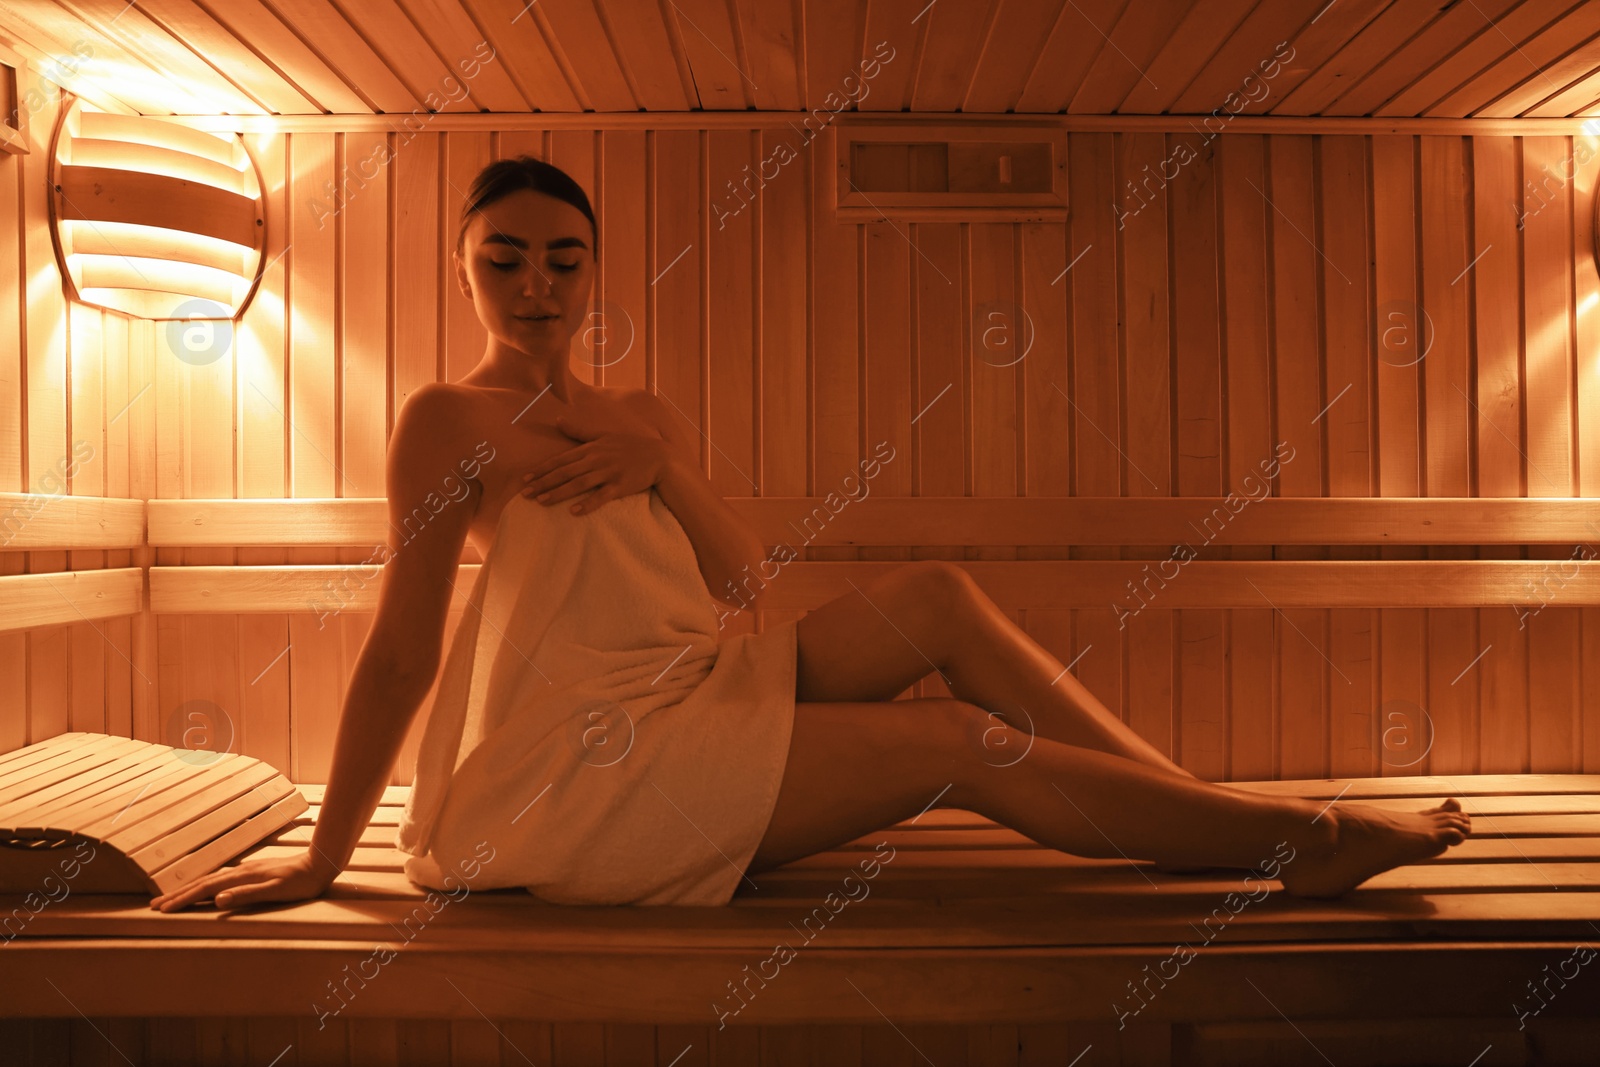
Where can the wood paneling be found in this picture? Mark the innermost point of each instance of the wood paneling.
(976, 945)
(394, 57)
(1206, 301)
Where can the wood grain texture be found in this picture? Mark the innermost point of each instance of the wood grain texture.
(1403, 311)
(1103, 57)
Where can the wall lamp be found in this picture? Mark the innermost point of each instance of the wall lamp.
(153, 218)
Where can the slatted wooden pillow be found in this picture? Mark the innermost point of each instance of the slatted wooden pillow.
(103, 814)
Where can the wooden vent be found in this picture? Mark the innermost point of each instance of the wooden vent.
(889, 170)
(92, 813)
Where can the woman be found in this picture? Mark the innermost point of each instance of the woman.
(850, 758)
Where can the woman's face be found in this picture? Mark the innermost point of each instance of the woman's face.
(527, 266)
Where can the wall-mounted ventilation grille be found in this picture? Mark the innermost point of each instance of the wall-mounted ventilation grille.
(895, 170)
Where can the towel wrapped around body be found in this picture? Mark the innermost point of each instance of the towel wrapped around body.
(590, 740)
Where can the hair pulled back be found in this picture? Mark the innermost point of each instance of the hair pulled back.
(506, 176)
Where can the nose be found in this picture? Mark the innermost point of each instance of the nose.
(540, 283)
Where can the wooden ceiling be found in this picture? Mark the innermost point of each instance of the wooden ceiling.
(1391, 58)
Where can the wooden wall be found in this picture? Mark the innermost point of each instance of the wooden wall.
(1274, 290)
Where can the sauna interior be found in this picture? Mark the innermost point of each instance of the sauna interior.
(1243, 352)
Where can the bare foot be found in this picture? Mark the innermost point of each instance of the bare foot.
(1367, 840)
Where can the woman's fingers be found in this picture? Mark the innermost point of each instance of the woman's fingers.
(228, 880)
(577, 484)
(559, 481)
(198, 889)
(255, 893)
(251, 882)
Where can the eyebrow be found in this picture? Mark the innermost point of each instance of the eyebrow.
(517, 242)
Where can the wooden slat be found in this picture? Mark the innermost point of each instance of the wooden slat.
(183, 850)
(44, 600)
(1433, 48)
(1491, 43)
(1016, 38)
(1001, 56)
(522, 42)
(45, 520)
(1189, 46)
(962, 857)
(388, 31)
(54, 804)
(1529, 73)
(211, 855)
(1568, 81)
(194, 28)
(166, 786)
(60, 764)
(360, 906)
(1020, 584)
(22, 756)
(53, 31)
(1082, 519)
(1048, 985)
(471, 68)
(1314, 54)
(1076, 39)
(351, 56)
(589, 53)
(107, 194)
(1130, 46)
(704, 36)
(639, 35)
(1269, 24)
(901, 28)
(170, 49)
(1392, 27)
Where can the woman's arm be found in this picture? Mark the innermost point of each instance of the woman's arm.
(729, 551)
(378, 709)
(432, 496)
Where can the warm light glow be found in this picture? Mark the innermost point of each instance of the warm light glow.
(152, 159)
(135, 272)
(154, 218)
(1588, 302)
(106, 126)
(141, 80)
(155, 242)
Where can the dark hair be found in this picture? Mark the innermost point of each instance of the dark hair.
(505, 176)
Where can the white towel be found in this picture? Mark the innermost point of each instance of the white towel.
(589, 734)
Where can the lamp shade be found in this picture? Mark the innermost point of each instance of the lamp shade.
(153, 218)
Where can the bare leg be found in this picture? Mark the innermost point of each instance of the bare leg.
(993, 663)
(1091, 803)
(856, 767)
(875, 642)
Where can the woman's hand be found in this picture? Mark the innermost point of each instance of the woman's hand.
(610, 463)
(252, 882)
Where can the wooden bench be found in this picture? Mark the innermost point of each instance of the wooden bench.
(964, 943)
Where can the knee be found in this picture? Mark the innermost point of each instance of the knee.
(966, 740)
(948, 583)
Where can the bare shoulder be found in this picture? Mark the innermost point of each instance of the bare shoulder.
(430, 417)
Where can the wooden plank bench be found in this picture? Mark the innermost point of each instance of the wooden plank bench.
(962, 937)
